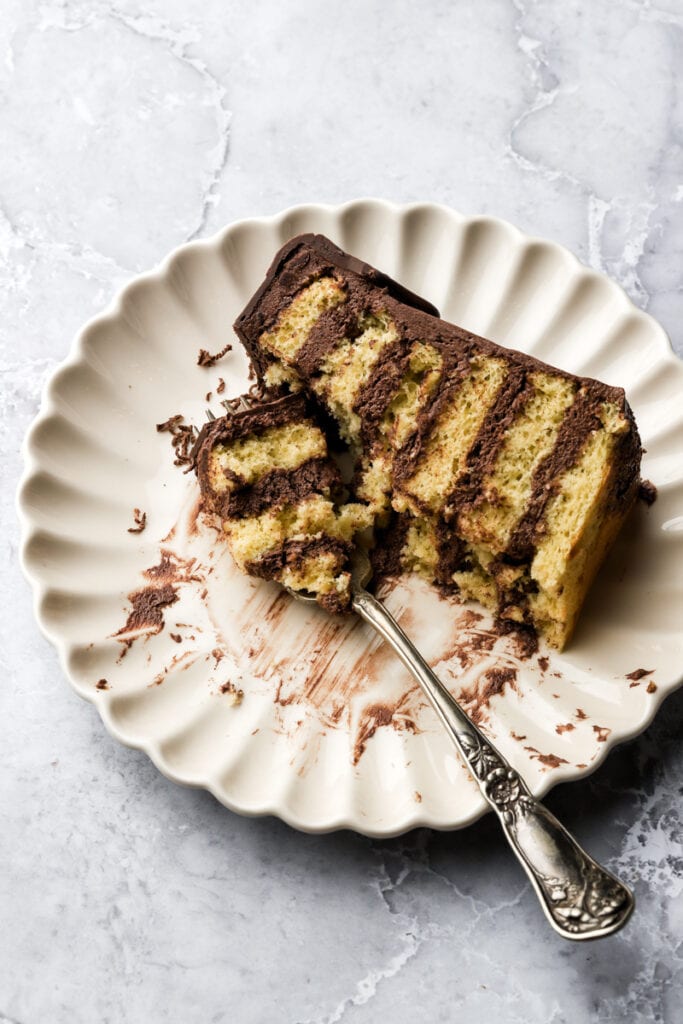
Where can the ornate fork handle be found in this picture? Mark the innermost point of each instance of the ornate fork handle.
(581, 899)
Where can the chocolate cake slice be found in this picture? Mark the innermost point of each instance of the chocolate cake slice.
(266, 473)
(491, 473)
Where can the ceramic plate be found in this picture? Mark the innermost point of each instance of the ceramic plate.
(226, 682)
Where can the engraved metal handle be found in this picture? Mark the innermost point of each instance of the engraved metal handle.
(580, 898)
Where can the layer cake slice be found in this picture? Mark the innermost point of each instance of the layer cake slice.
(266, 473)
(489, 472)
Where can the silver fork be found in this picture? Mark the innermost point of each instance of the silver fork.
(580, 898)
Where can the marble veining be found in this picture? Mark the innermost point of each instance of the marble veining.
(129, 128)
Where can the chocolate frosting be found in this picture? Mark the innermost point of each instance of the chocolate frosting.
(277, 488)
(294, 554)
(300, 261)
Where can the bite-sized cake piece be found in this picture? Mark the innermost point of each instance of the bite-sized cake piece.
(265, 471)
(506, 479)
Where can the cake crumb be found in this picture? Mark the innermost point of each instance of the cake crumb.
(237, 695)
(101, 684)
(638, 673)
(140, 520)
(206, 359)
(169, 426)
(417, 797)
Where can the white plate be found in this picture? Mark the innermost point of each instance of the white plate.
(310, 740)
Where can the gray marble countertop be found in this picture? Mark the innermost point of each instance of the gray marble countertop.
(128, 128)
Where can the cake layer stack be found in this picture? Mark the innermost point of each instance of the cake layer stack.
(490, 473)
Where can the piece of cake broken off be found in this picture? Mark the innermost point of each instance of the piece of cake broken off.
(489, 473)
(266, 473)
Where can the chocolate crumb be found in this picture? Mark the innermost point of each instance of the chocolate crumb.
(206, 359)
(183, 437)
(169, 426)
(647, 492)
(567, 727)
(638, 673)
(238, 695)
(651, 687)
(207, 396)
(581, 715)
(543, 663)
(220, 387)
(602, 732)
(101, 684)
(140, 520)
(176, 637)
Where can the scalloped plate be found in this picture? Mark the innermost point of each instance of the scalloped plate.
(329, 732)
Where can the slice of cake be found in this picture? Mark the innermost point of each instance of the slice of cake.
(265, 471)
(490, 473)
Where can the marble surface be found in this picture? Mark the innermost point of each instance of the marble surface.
(128, 128)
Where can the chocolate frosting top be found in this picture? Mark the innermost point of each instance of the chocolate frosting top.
(295, 255)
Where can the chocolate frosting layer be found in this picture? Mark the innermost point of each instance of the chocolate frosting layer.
(385, 557)
(279, 487)
(378, 391)
(579, 422)
(293, 554)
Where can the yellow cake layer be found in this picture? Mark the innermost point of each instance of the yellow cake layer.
(347, 367)
(320, 574)
(295, 322)
(529, 439)
(252, 537)
(442, 459)
(397, 424)
(252, 457)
